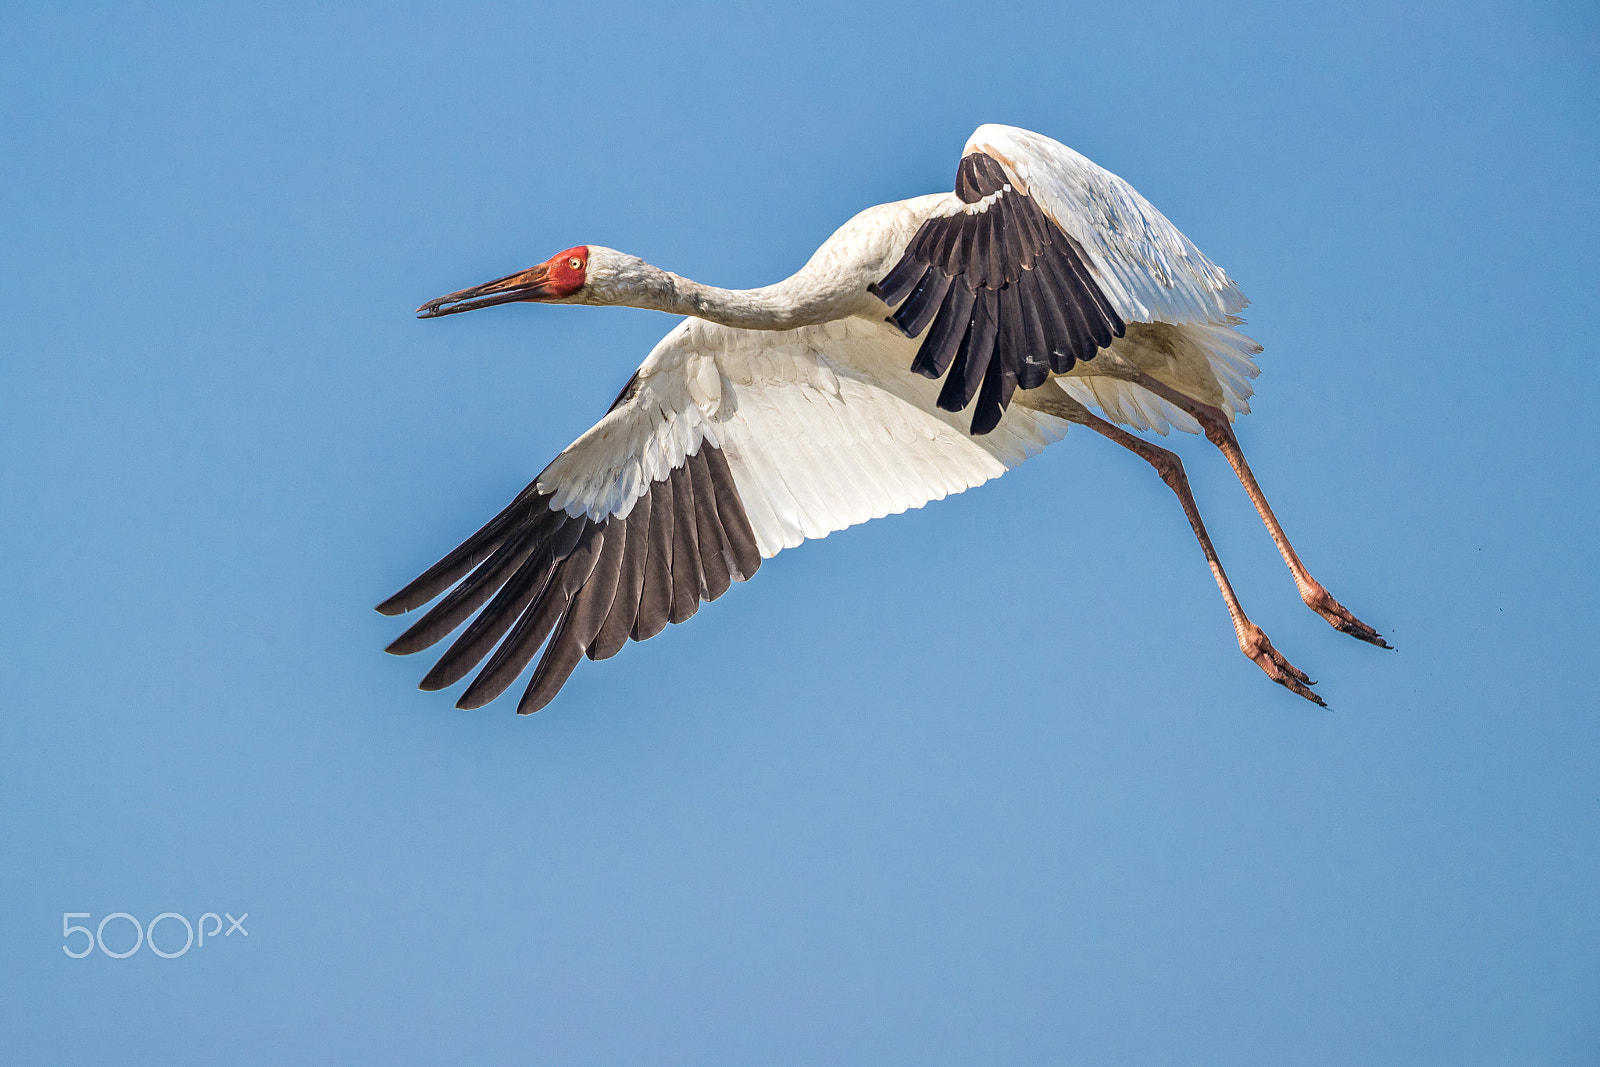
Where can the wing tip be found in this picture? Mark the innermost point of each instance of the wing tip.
(482, 691)
(395, 605)
(536, 704)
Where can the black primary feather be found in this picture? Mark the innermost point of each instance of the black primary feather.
(575, 586)
(1006, 296)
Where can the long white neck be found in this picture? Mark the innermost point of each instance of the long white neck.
(821, 291)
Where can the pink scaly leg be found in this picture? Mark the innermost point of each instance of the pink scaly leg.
(1220, 432)
(1252, 642)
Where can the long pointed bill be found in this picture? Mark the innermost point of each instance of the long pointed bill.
(530, 284)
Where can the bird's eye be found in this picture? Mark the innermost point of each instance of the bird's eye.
(575, 263)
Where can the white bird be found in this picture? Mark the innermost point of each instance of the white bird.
(1043, 286)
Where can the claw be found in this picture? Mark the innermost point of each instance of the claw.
(1253, 643)
(1320, 601)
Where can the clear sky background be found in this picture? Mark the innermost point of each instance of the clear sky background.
(987, 782)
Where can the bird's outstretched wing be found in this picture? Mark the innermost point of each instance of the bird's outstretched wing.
(726, 447)
(1041, 260)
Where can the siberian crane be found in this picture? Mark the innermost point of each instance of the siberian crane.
(928, 346)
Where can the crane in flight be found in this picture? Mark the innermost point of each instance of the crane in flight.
(929, 345)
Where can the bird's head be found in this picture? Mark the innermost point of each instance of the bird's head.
(586, 274)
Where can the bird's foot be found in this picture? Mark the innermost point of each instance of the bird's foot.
(1320, 601)
(1253, 643)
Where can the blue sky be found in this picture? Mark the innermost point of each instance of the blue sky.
(856, 811)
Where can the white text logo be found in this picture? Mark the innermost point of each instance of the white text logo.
(121, 925)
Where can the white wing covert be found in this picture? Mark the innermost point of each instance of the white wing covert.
(1147, 268)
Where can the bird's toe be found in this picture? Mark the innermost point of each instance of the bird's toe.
(1274, 665)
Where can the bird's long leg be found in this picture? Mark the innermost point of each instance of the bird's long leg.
(1252, 642)
(1220, 433)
